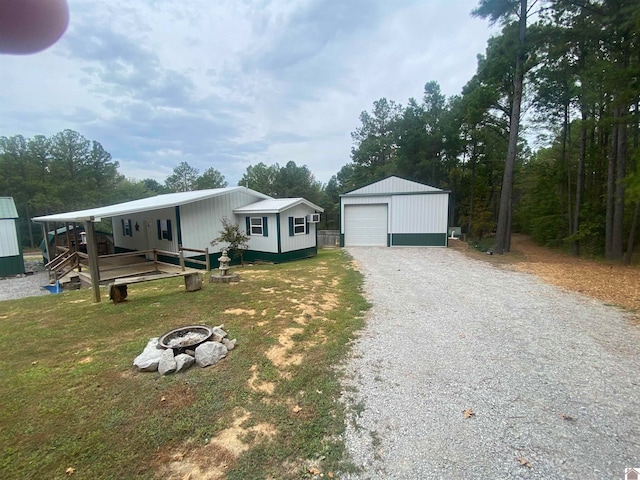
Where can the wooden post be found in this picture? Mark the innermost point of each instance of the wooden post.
(206, 259)
(92, 251)
(55, 240)
(155, 258)
(181, 257)
(66, 232)
(45, 231)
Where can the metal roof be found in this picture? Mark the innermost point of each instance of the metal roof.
(276, 205)
(8, 208)
(144, 205)
(393, 185)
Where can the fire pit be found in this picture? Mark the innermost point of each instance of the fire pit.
(183, 338)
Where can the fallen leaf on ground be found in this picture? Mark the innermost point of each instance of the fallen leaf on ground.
(468, 413)
(163, 399)
(524, 462)
(313, 471)
(297, 408)
(70, 470)
(330, 474)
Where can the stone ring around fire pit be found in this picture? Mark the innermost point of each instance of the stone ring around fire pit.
(185, 338)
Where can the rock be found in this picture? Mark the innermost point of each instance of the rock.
(148, 360)
(210, 353)
(188, 351)
(183, 361)
(167, 362)
(230, 344)
(218, 333)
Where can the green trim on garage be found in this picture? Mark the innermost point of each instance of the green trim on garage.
(388, 239)
(342, 239)
(12, 265)
(419, 239)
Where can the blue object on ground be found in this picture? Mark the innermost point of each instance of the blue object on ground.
(56, 288)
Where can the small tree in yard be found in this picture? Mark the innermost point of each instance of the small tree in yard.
(232, 235)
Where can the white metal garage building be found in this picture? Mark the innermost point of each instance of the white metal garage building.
(394, 212)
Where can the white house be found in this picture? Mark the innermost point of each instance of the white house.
(193, 219)
(11, 259)
(394, 212)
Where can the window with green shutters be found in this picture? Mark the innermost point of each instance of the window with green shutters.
(298, 226)
(164, 230)
(257, 226)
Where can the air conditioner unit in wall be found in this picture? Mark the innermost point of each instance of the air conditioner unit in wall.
(313, 218)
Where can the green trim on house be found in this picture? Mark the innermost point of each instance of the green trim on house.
(178, 225)
(13, 265)
(253, 256)
(278, 233)
(388, 239)
(342, 239)
(419, 239)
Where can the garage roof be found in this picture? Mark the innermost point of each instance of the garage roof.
(395, 185)
(276, 205)
(144, 205)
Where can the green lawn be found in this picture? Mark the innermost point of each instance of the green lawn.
(70, 397)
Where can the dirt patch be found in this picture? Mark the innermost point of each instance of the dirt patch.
(609, 282)
(211, 461)
(279, 354)
(240, 311)
(264, 387)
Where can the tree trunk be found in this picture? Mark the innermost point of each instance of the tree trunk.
(618, 208)
(632, 234)
(503, 232)
(575, 245)
(566, 158)
(611, 182)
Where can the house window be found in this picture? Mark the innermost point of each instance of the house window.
(164, 230)
(256, 226)
(127, 231)
(299, 225)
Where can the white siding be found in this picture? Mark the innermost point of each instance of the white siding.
(419, 213)
(366, 225)
(260, 243)
(8, 238)
(393, 185)
(145, 237)
(296, 242)
(201, 221)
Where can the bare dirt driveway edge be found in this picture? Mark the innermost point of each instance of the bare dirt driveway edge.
(549, 379)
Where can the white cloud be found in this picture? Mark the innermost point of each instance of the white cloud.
(230, 83)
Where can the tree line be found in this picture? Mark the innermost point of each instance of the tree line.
(572, 66)
(67, 172)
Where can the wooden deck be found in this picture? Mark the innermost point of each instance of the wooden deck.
(111, 270)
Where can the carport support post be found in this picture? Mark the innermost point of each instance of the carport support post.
(92, 251)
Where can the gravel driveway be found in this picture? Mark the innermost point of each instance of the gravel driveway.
(553, 378)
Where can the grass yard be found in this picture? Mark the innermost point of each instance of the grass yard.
(72, 404)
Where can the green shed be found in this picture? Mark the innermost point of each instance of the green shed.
(11, 260)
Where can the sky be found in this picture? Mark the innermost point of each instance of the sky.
(230, 83)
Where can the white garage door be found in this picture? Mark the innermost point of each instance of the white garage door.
(365, 225)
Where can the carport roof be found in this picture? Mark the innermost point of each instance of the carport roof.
(144, 205)
(276, 205)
